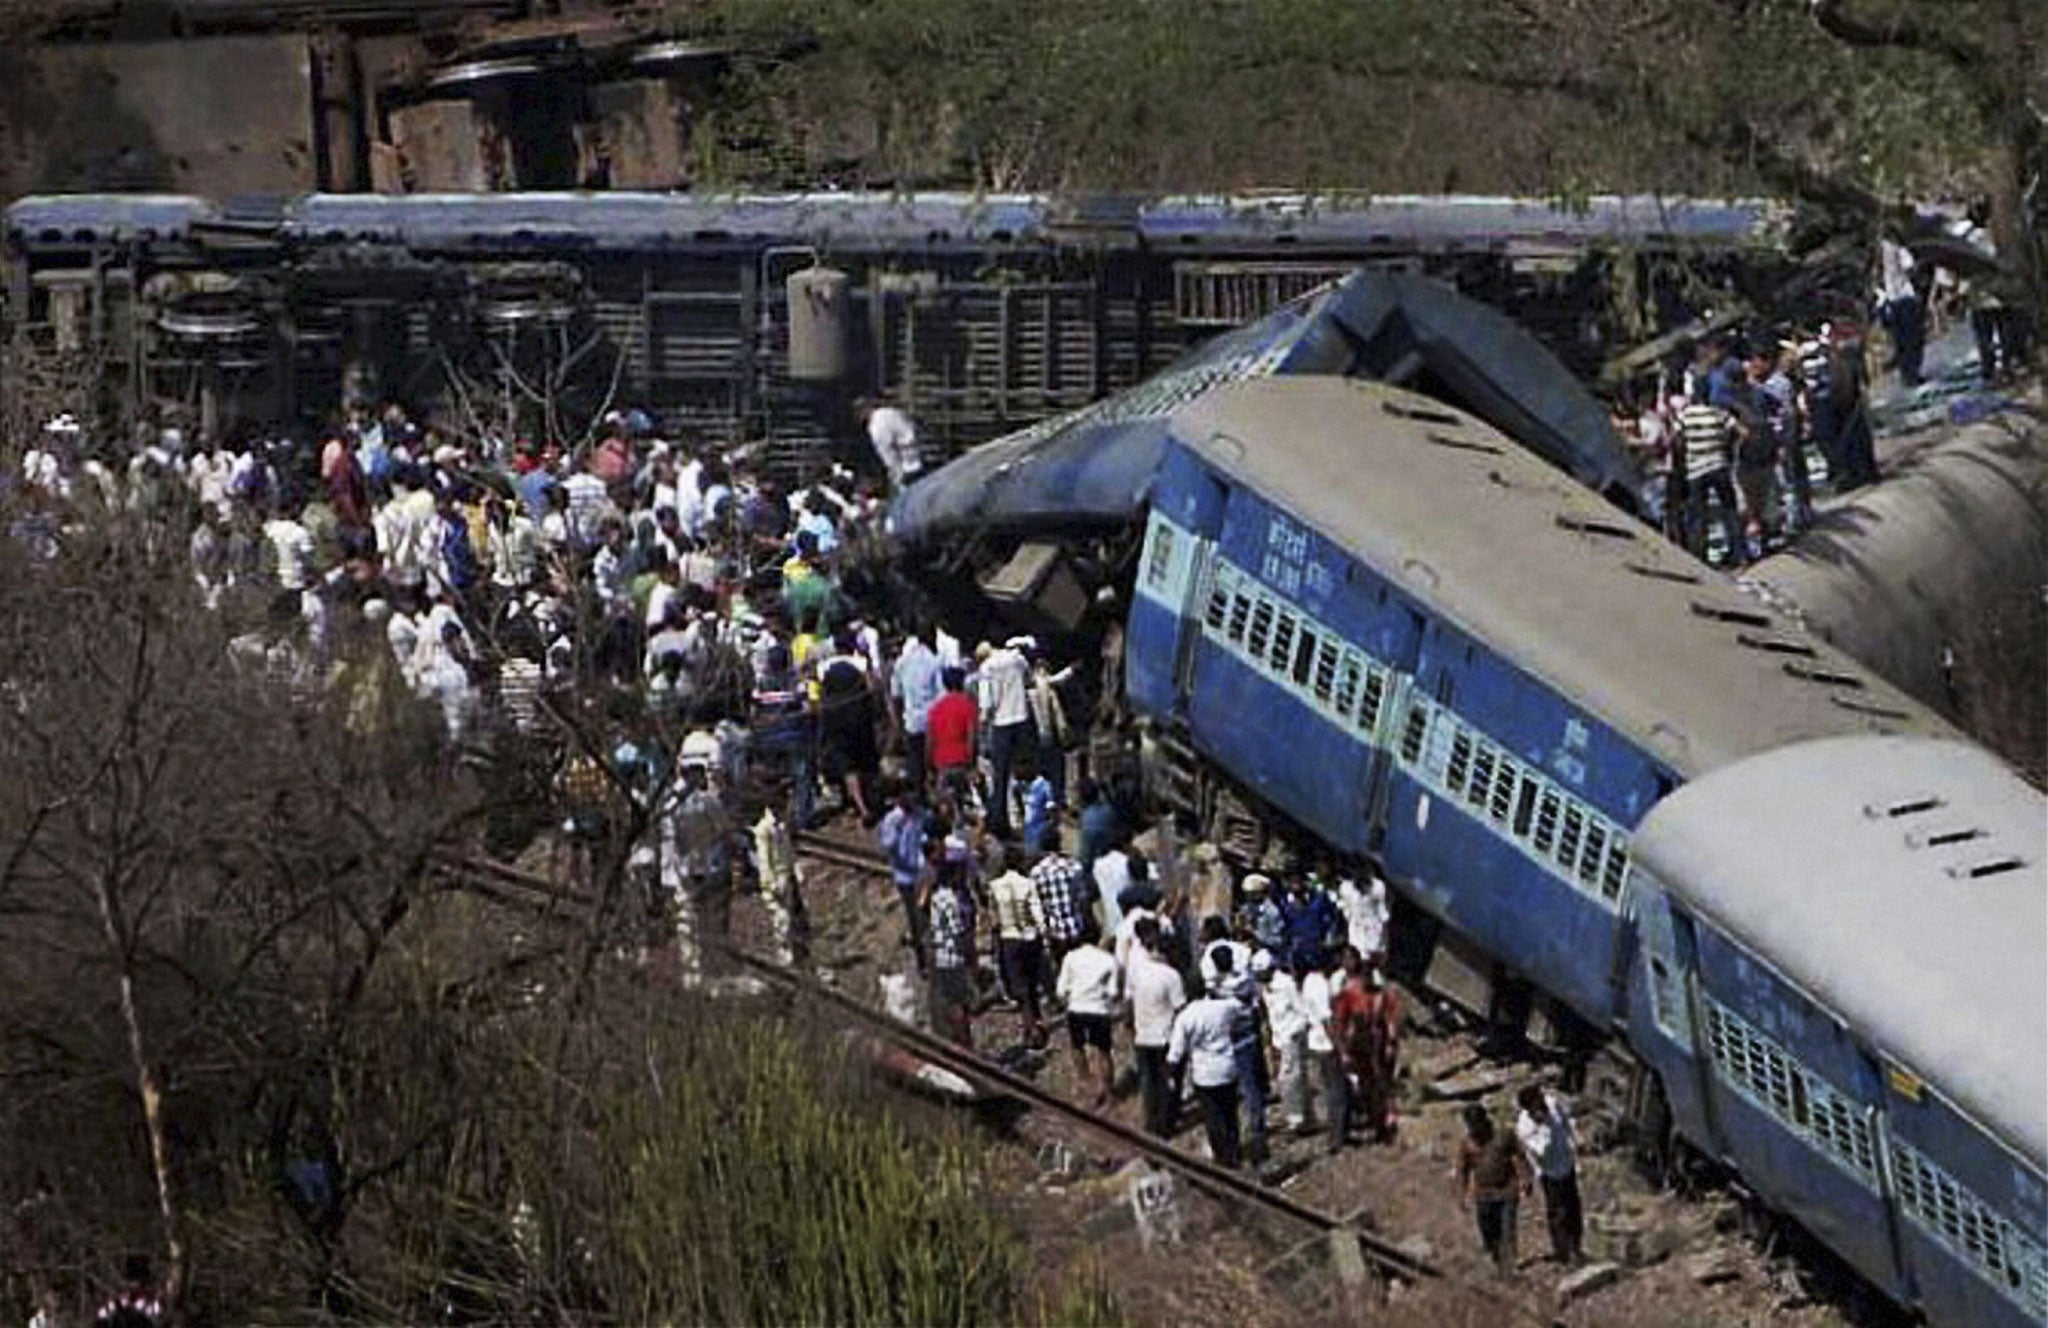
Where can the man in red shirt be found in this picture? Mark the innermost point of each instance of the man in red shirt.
(1365, 1022)
(949, 733)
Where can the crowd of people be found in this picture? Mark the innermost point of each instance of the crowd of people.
(751, 686)
(1732, 427)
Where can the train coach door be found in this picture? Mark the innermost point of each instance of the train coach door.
(1205, 522)
(1391, 689)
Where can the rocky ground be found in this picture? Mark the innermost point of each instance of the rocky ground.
(1654, 1258)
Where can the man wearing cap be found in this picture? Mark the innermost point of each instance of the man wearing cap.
(1261, 914)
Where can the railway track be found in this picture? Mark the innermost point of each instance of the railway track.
(514, 885)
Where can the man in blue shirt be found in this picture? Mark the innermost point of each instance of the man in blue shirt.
(902, 839)
(1309, 921)
(1099, 828)
(917, 681)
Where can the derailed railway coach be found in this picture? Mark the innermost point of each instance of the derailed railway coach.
(1843, 949)
(1363, 614)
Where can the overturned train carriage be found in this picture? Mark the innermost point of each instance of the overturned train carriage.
(1380, 624)
(981, 313)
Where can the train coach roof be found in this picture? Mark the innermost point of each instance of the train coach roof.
(1935, 953)
(1630, 629)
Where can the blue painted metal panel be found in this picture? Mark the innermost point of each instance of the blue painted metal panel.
(1974, 1216)
(1099, 464)
(1484, 888)
(1310, 768)
(1795, 1101)
(1577, 750)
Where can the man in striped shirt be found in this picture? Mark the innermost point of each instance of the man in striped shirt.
(1707, 432)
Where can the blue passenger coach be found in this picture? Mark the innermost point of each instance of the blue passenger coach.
(1476, 670)
(1841, 986)
(1819, 919)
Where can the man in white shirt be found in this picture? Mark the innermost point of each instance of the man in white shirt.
(1003, 677)
(1366, 915)
(1156, 995)
(293, 546)
(1287, 1024)
(1090, 985)
(1203, 1041)
(1543, 1126)
(407, 531)
(1322, 1052)
(1112, 872)
(894, 438)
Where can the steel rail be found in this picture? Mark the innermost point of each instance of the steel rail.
(1201, 1171)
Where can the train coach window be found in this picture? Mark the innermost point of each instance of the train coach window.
(1570, 836)
(1588, 867)
(1326, 671)
(1261, 629)
(1305, 659)
(1413, 735)
(1482, 776)
(1375, 697)
(1348, 674)
(1460, 764)
(1283, 644)
(1219, 599)
(1615, 872)
(1547, 812)
(1503, 798)
(1240, 613)
(1525, 808)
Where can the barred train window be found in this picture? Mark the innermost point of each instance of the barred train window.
(1219, 598)
(1546, 821)
(2001, 1252)
(1326, 671)
(1460, 764)
(1615, 872)
(1588, 869)
(1412, 736)
(1240, 613)
(1162, 555)
(1375, 696)
(1283, 644)
(1482, 776)
(1504, 791)
(1262, 628)
(1348, 675)
(1568, 842)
